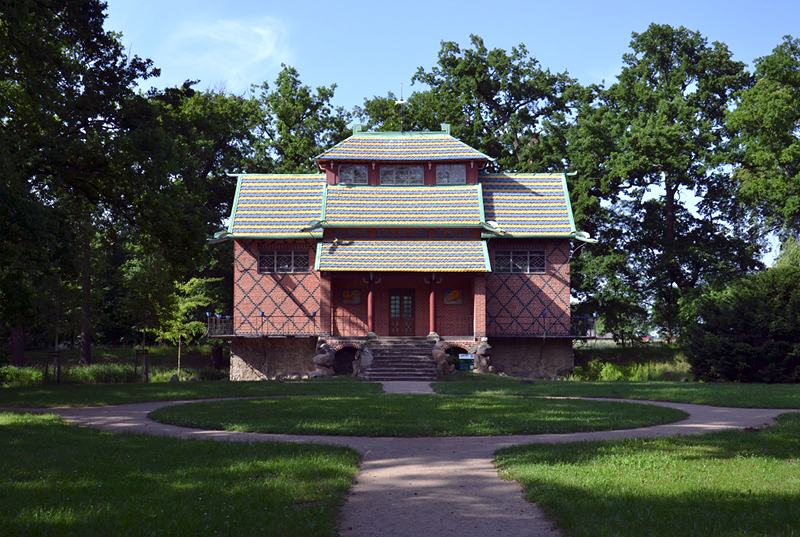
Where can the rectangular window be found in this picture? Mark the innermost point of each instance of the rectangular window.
(353, 174)
(523, 261)
(270, 261)
(402, 174)
(451, 174)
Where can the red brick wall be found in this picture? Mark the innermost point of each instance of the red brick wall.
(452, 319)
(530, 304)
(348, 319)
(308, 304)
(291, 302)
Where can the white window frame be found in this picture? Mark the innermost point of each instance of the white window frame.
(347, 174)
(389, 174)
(520, 261)
(444, 174)
(275, 261)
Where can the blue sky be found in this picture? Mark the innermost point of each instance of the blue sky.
(370, 48)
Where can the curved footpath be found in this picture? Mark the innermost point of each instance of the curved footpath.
(428, 486)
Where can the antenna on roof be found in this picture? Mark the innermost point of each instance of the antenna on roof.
(401, 103)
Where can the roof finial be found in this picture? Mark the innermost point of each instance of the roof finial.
(401, 102)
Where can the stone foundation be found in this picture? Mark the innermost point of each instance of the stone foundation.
(263, 358)
(532, 357)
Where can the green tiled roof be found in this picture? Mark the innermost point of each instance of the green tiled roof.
(277, 205)
(387, 206)
(528, 204)
(401, 146)
(403, 256)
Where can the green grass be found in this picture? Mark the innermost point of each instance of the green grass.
(729, 484)
(715, 394)
(415, 415)
(57, 479)
(53, 395)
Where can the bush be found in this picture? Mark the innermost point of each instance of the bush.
(11, 375)
(750, 331)
(99, 374)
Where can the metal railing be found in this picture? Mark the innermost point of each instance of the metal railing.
(583, 326)
(264, 325)
(527, 326)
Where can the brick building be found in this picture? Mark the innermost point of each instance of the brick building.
(401, 236)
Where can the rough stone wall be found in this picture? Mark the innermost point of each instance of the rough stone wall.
(263, 358)
(532, 357)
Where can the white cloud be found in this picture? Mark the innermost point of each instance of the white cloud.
(232, 53)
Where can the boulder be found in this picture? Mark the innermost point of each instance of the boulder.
(483, 357)
(442, 359)
(362, 362)
(323, 360)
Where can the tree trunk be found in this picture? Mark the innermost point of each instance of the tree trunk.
(86, 299)
(18, 345)
(669, 213)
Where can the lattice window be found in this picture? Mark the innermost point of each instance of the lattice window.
(451, 174)
(270, 261)
(523, 261)
(402, 174)
(353, 174)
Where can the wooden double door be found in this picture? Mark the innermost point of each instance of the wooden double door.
(401, 312)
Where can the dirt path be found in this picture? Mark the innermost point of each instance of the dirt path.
(428, 486)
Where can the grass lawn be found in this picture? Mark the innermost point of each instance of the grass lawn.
(738, 483)
(58, 479)
(415, 415)
(53, 395)
(715, 394)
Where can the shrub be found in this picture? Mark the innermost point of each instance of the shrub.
(99, 374)
(611, 372)
(750, 331)
(11, 375)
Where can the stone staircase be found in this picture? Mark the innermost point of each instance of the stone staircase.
(398, 358)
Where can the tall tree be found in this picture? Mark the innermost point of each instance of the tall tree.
(66, 93)
(666, 150)
(296, 124)
(494, 100)
(767, 126)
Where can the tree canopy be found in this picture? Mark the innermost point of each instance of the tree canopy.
(109, 191)
(767, 127)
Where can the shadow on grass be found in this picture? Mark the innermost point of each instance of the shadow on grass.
(730, 483)
(57, 479)
(414, 415)
(715, 394)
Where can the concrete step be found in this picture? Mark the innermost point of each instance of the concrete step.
(402, 359)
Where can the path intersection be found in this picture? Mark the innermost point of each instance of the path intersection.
(429, 486)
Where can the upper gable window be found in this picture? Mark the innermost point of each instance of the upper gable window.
(527, 261)
(282, 261)
(451, 174)
(353, 174)
(402, 174)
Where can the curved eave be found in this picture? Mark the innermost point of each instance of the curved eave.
(303, 235)
(403, 225)
(505, 235)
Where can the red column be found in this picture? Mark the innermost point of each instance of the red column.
(370, 305)
(432, 305)
(479, 305)
(326, 305)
